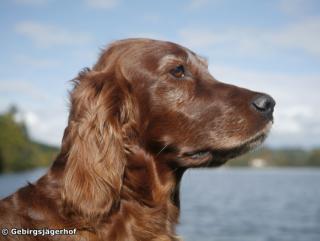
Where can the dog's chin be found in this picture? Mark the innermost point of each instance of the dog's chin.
(212, 157)
(221, 156)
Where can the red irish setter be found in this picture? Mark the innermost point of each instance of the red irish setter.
(146, 112)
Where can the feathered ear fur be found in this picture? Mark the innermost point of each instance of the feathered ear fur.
(101, 119)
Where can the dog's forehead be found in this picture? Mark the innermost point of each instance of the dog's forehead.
(159, 54)
(178, 52)
(189, 57)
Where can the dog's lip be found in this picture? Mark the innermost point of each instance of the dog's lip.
(257, 138)
(223, 154)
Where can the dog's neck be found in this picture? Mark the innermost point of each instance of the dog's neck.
(150, 192)
(153, 185)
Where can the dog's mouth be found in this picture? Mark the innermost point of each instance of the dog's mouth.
(216, 157)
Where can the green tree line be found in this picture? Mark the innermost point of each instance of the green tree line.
(17, 151)
(284, 157)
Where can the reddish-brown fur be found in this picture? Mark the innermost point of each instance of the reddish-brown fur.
(133, 130)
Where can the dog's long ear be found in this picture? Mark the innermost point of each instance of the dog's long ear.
(101, 116)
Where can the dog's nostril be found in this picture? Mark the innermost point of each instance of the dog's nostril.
(264, 104)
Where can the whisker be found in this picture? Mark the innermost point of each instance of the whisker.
(162, 149)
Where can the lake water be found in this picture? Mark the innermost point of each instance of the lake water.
(238, 204)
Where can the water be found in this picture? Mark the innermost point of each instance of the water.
(237, 204)
(9, 183)
(251, 205)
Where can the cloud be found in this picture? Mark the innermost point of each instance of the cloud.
(201, 37)
(22, 88)
(44, 115)
(102, 4)
(36, 63)
(241, 41)
(299, 119)
(44, 125)
(303, 35)
(44, 35)
(296, 126)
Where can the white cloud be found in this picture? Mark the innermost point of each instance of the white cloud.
(238, 41)
(22, 88)
(303, 35)
(45, 35)
(35, 62)
(200, 37)
(102, 4)
(297, 120)
(49, 125)
(45, 116)
(30, 118)
(45, 125)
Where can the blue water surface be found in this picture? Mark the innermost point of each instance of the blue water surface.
(237, 204)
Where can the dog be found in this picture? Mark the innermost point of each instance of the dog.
(147, 111)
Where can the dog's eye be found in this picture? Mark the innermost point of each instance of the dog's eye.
(178, 72)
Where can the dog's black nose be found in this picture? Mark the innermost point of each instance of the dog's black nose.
(264, 104)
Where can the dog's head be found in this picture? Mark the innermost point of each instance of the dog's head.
(162, 97)
(186, 114)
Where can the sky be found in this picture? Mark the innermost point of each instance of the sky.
(268, 46)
